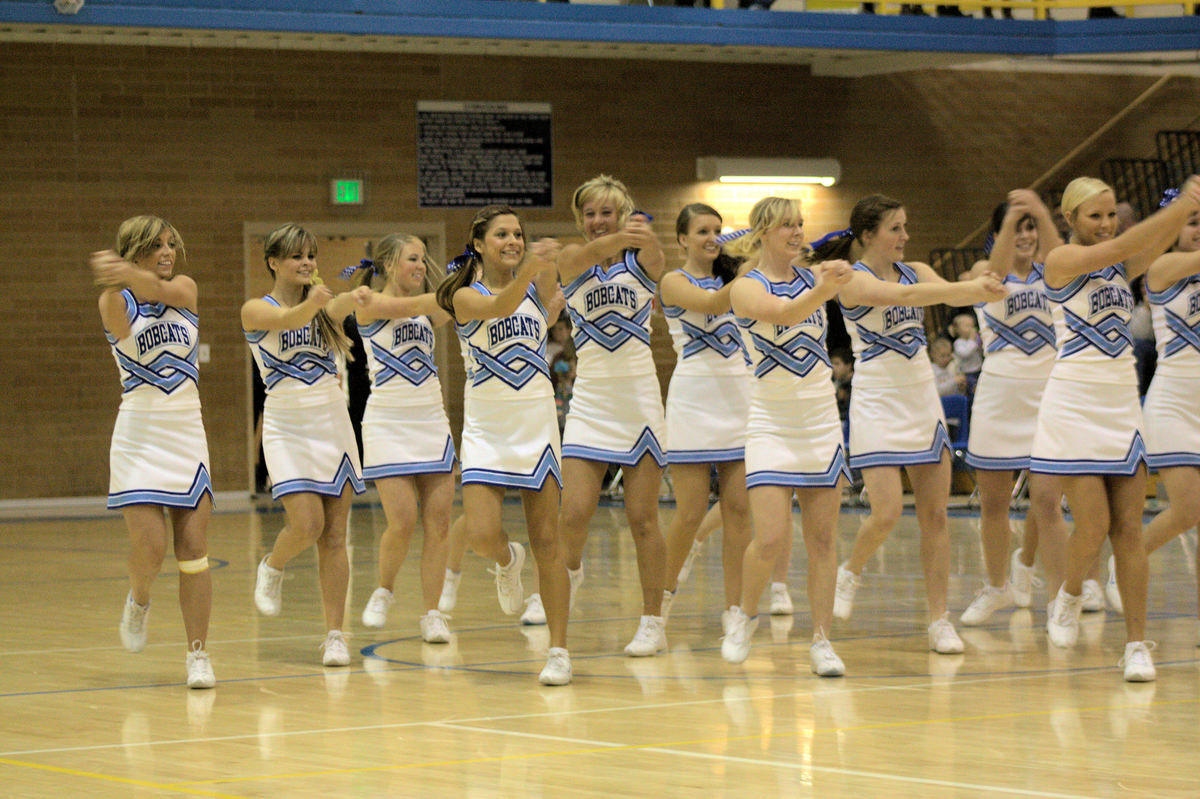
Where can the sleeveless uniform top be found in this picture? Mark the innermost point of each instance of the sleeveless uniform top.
(1091, 324)
(297, 365)
(705, 344)
(400, 361)
(610, 310)
(1176, 316)
(157, 359)
(507, 356)
(1018, 330)
(791, 361)
(888, 340)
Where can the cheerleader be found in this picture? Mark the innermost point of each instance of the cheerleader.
(407, 448)
(294, 334)
(794, 440)
(1089, 427)
(707, 400)
(510, 427)
(159, 457)
(616, 413)
(896, 418)
(1018, 337)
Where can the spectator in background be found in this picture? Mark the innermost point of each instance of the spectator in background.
(562, 372)
(560, 339)
(842, 362)
(1127, 217)
(945, 370)
(968, 349)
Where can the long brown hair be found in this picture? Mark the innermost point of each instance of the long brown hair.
(282, 242)
(464, 269)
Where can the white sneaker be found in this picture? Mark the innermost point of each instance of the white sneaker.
(1111, 592)
(449, 597)
(1138, 665)
(843, 597)
(690, 561)
(668, 600)
(989, 600)
(268, 589)
(557, 670)
(1062, 623)
(535, 611)
(943, 638)
(650, 638)
(727, 619)
(1023, 581)
(735, 646)
(781, 600)
(434, 629)
(375, 613)
(336, 653)
(508, 580)
(1093, 596)
(825, 662)
(199, 669)
(575, 577)
(133, 624)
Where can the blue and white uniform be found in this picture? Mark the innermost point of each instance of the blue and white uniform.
(308, 440)
(1090, 420)
(793, 432)
(159, 454)
(616, 413)
(405, 429)
(1018, 337)
(896, 416)
(709, 395)
(510, 425)
(1172, 410)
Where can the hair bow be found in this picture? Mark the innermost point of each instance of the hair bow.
(837, 234)
(458, 262)
(348, 272)
(725, 238)
(1168, 197)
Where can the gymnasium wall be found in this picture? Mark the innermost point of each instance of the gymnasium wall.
(213, 139)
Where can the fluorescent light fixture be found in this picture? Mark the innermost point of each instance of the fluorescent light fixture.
(823, 171)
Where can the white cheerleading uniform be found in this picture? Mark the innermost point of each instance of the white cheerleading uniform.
(1090, 420)
(510, 425)
(1018, 337)
(896, 416)
(709, 395)
(308, 440)
(616, 413)
(159, 454)
(1172, 410)
(405, 429)
(793, 432)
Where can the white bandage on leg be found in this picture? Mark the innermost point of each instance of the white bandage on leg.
(194, 566)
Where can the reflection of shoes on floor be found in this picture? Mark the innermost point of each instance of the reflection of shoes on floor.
(537, 638)
(944, 667)
(135, 729)
(1091, 629)
(649, 672)
(1021, 630)
(737, 704)
(1131, 703)
(379, 670)
(270, 725)
(986, 641)
(336, 681)
(834, 699)
(199, 707)
(441, 656)
(780, 627)
(1068, 729)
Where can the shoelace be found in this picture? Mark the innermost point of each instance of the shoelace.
(1146, 648)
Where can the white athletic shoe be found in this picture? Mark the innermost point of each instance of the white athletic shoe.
(1023, 581)
(375, 613)
(650, 638)
(558, 667)
(735, 646)
(781, 600)
(268, 589)
(535, 611)
(847, 587)
(825, 662)
(1062, 623)
(1138, 665)
(943, 638)
(133, 624)
(728, 616)
(575, 578)
(434, 629)
(668, 600)
(690, 561)
(508, 580)
(1093, 597)
(336, 653)
(449, 597)
(199, 669)
(989, 600)
(1111, 592)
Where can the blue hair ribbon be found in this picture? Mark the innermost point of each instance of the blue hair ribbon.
(643, 213)
(725, 238)
(458, 262)
(837, 234)
(1168, 197)
(989, 243)
(348, 272)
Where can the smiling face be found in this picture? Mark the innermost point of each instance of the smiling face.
(159, 258)
(700, 241)
(407, 271)
(503, 244)
(1026, 240)
(887, 240)
(295, 267)
(1095, 219)
(599, 217)
(785, 241)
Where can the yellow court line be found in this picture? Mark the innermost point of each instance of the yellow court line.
(122, 780)
(660, 745)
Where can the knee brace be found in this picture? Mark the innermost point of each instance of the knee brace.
(194, 566)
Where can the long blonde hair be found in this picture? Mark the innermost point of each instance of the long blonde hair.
(282, 242)
(387, 255)
(766, 215)
(138, 236)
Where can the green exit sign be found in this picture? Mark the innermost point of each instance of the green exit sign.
(346, 191)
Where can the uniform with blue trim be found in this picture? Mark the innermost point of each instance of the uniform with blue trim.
(793, 432)
(1018, 339)
(616, 413)
(308, 440)
(896, 416)
(510, 425)
(1090, 420)
(159, 454)
(1172, 410)
(709, 396)
(405, 429)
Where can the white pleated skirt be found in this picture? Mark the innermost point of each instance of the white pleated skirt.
(706, 418)
(405, 440)
(158, 458)
(616, 420)
(511, 443)
(1003, 420)
(795, 442)
(1088, 428)
(311, 449)
(896, 425)
(1172, 421)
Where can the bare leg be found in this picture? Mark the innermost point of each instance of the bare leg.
(1183, 491)
(398, 495)
(1127, 497)
(642, 484)
(437, 494)
(771, 515)
(885, 493)
(483, 505)
(456, 547)
(691, 504)
(304, 521)
(711, 521)
(195, 590)
(931, 492)
(783, 563)
(541, 517)
(1088, 498)
(333, 565)
(819, 508)
(995, 493)
(735, 512)
(582, 481)
(1049, 528)
(147, 547)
